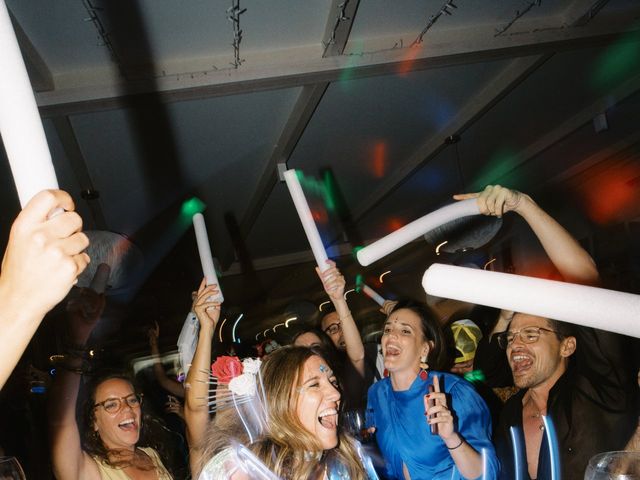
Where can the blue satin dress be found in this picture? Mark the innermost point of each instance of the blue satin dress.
(404, 436)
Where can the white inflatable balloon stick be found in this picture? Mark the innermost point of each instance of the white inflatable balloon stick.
(206, 259)
(411, 231)
(20, 124)
(582, 305)
(308, 224)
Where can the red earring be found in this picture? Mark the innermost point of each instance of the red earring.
(423, 368)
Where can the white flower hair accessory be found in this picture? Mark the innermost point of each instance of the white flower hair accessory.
(236, 384)
(244, 384)
(251, 365)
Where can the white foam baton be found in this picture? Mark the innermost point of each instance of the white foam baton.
(204, 249)
(310, 229)
(582, 305)
(20, 124)
(372, 294)
(411, 231)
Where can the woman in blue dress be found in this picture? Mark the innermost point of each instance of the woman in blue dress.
(412, 401)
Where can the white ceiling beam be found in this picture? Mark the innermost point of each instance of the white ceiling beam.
(569, 126)
(339, 23)
(302, 111)
(71, 147)
(581, 12)
(302, 66)
(617, 149)
(39, 74)
(493, 92)
(339, 26)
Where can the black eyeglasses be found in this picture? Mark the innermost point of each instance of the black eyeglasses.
(526, 334)
(114, 405)
(333, 328)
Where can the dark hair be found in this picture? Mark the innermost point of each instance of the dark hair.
(562, 329)
(431, 330)
(91, 441)
(325, 340)
(326, 310)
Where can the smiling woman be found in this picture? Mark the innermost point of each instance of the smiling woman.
(112, 422)
(303, 438)
(428, 424)
(112, 439)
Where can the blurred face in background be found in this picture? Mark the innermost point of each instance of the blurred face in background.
(332, 326)
(308, 339)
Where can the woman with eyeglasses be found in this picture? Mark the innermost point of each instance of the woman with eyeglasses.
(107, 444)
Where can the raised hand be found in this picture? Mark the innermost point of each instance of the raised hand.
(494, 200)
(44, 255)
(208, 312)
(154, 334)
(84, 311)
(332, 281)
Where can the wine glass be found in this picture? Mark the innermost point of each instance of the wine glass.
(614, 466)
(10, 469)
(353, 422)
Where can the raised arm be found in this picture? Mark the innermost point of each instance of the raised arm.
(196, 410)
(333, 283)
(69, 460)
(572, 261)
(170, 385)
(42, 261)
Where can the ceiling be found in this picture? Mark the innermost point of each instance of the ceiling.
(149, 103)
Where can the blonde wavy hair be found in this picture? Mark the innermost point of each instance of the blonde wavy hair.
(286, 447)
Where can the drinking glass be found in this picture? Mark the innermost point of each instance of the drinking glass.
(353, 422)
(10, 469)
(614, 466)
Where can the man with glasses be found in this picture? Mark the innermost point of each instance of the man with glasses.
(580, 378)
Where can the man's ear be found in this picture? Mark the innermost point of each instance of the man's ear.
(568, 347)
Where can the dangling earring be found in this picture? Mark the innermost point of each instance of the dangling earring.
(423, 367)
